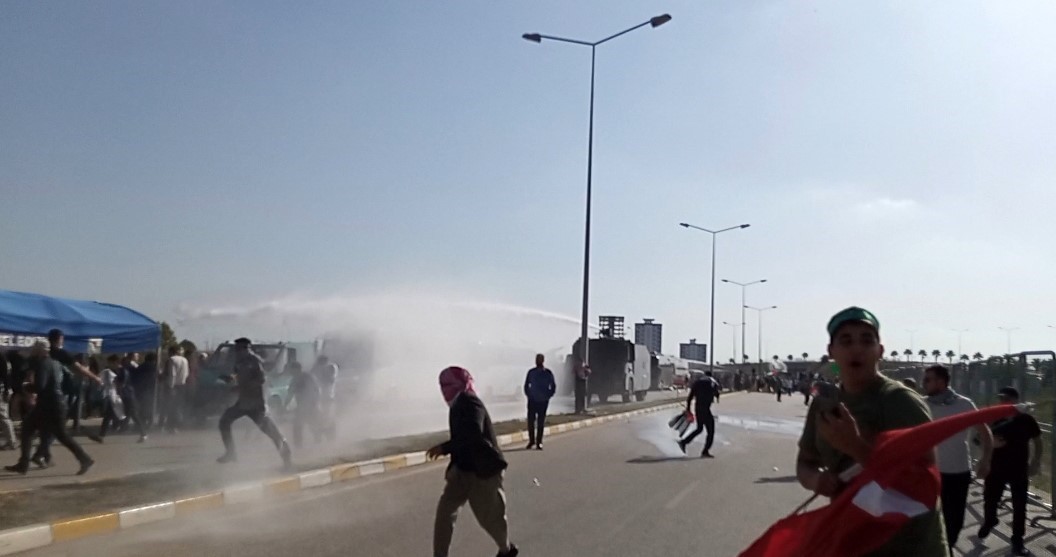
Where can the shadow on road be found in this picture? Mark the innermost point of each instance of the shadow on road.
(777, 480)
(654, 459)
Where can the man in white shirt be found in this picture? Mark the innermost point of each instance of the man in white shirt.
(954, 460)
(174, 388)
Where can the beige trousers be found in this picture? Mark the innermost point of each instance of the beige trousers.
(486, 499)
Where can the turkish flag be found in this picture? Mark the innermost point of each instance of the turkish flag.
(896, 484)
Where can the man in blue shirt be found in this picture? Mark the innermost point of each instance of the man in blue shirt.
(539, 387)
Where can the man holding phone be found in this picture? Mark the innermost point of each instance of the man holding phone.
(843, 421)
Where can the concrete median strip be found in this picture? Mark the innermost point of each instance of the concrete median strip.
(26, 538)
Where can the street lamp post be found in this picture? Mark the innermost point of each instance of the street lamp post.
(744, 287)
(912, 333)
(733, 329)
(711, 324)
(760, 317)
(960, 333)
(538, 38)
(1008, 331)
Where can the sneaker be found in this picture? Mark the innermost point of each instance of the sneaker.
(530, 446)
(287, 457)
(984, 529)
(512, 552)
(227, 457)
(96, 438)
(682, 445)
(41, 462)
(142, 438)
(8, 447)
(85, 466)
(538, 446)
(706, 454)
(20, 468)
(1020, 551)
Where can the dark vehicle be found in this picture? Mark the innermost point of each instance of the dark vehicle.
(618, 367)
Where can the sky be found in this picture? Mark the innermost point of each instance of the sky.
(892, 155)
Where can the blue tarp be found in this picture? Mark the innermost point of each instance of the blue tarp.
(89, 327)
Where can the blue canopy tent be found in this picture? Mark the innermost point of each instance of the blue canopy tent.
(89, 327)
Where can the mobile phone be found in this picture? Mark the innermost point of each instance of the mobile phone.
(826, 396)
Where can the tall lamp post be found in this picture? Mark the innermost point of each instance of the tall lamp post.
(538, 38)
(960, 334)
(760, 317)
(733, 329)
(744, 301)
(1008, 331)
(711, 324)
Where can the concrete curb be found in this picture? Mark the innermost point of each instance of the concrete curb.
(16, 540)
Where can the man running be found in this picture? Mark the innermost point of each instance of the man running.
(476, 470)
(248, 377)
(705, 391)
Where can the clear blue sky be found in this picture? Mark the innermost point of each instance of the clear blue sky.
(895, 155)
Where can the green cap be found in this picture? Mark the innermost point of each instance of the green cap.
(852, 314)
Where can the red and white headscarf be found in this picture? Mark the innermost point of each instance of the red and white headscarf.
(455, 381)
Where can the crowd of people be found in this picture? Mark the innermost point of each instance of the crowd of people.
(51, 390)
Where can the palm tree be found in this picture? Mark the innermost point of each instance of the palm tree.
(951, 355)
(908, 354)
(790, 358)
(977, 356)
(732, 361)
(894, 355)
(965, 358)
(936, 354)
(923, 354)
(805, 355)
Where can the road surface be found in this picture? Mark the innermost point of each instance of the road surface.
(618, 489)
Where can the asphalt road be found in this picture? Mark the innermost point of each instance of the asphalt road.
(618, 489)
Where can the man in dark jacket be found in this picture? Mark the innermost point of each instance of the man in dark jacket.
(705, 390)
(476, 469)
(48, 415)
(539, 387)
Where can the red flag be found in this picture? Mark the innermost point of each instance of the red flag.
(895, 485)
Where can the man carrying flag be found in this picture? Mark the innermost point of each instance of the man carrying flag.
(841, 433)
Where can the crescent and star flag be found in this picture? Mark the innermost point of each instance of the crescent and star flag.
(895, 484)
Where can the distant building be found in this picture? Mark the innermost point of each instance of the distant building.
(649, 334)
(693, 351)
(613, 324)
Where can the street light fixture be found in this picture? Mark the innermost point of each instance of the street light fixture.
(711, 324)
(760, 317)
(538, 38)
(744, 287)
(1008, 331)
(960, 332)
(733, 345)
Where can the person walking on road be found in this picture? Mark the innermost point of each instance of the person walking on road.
(114, 408)
(326, 373)
(955, 461)
(476, 471)
(7, 428)
(248, 376)
(305, 392)
(173, 391)
(838, 430)
(539, 388)
(48, 415)
(704, 391)
(1012, 464)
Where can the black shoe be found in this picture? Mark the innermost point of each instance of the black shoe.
(21, 468)
(512, 552)
(142, 438)
(96, 438)
(85, 466)
(530, 446)
(1021, 551)
(706, 454)
(227, 457)
(538, 446)
(682, 445)
(984, 529)
(8, 447)
(41, 462)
